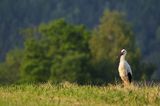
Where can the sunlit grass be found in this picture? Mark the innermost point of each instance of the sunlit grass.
(73, 94)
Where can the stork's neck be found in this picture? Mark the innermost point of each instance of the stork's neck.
(122, 58)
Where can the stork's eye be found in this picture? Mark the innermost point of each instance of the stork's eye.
(122, 51)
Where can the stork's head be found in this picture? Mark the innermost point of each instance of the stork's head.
(123, 52)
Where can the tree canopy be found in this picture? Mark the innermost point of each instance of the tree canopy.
(59, 52)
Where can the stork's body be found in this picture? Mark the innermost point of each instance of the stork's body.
(124, 68)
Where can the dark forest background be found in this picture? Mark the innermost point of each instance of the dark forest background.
(76, 40)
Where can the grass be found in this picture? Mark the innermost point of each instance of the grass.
(75, 95)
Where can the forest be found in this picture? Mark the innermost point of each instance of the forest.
(78, 40)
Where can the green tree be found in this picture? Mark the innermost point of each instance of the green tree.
(57, 51)
(113, 34)
(69, 49)
(9, 69)
(35, 65)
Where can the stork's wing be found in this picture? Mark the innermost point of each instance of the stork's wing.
(128, 68)
(129, 77)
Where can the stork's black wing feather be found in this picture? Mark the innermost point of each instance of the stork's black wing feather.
(129, 77)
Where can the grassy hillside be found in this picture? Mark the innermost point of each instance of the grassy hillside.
(72, 94)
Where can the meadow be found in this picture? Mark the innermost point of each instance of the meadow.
(48, 94)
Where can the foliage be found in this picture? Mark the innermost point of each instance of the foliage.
(9, 70)
(73, 68)
(58, 53)
(35, 65)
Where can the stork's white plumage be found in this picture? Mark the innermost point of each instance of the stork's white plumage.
(124, 68)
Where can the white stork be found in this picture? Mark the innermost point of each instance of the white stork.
(124, 68)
